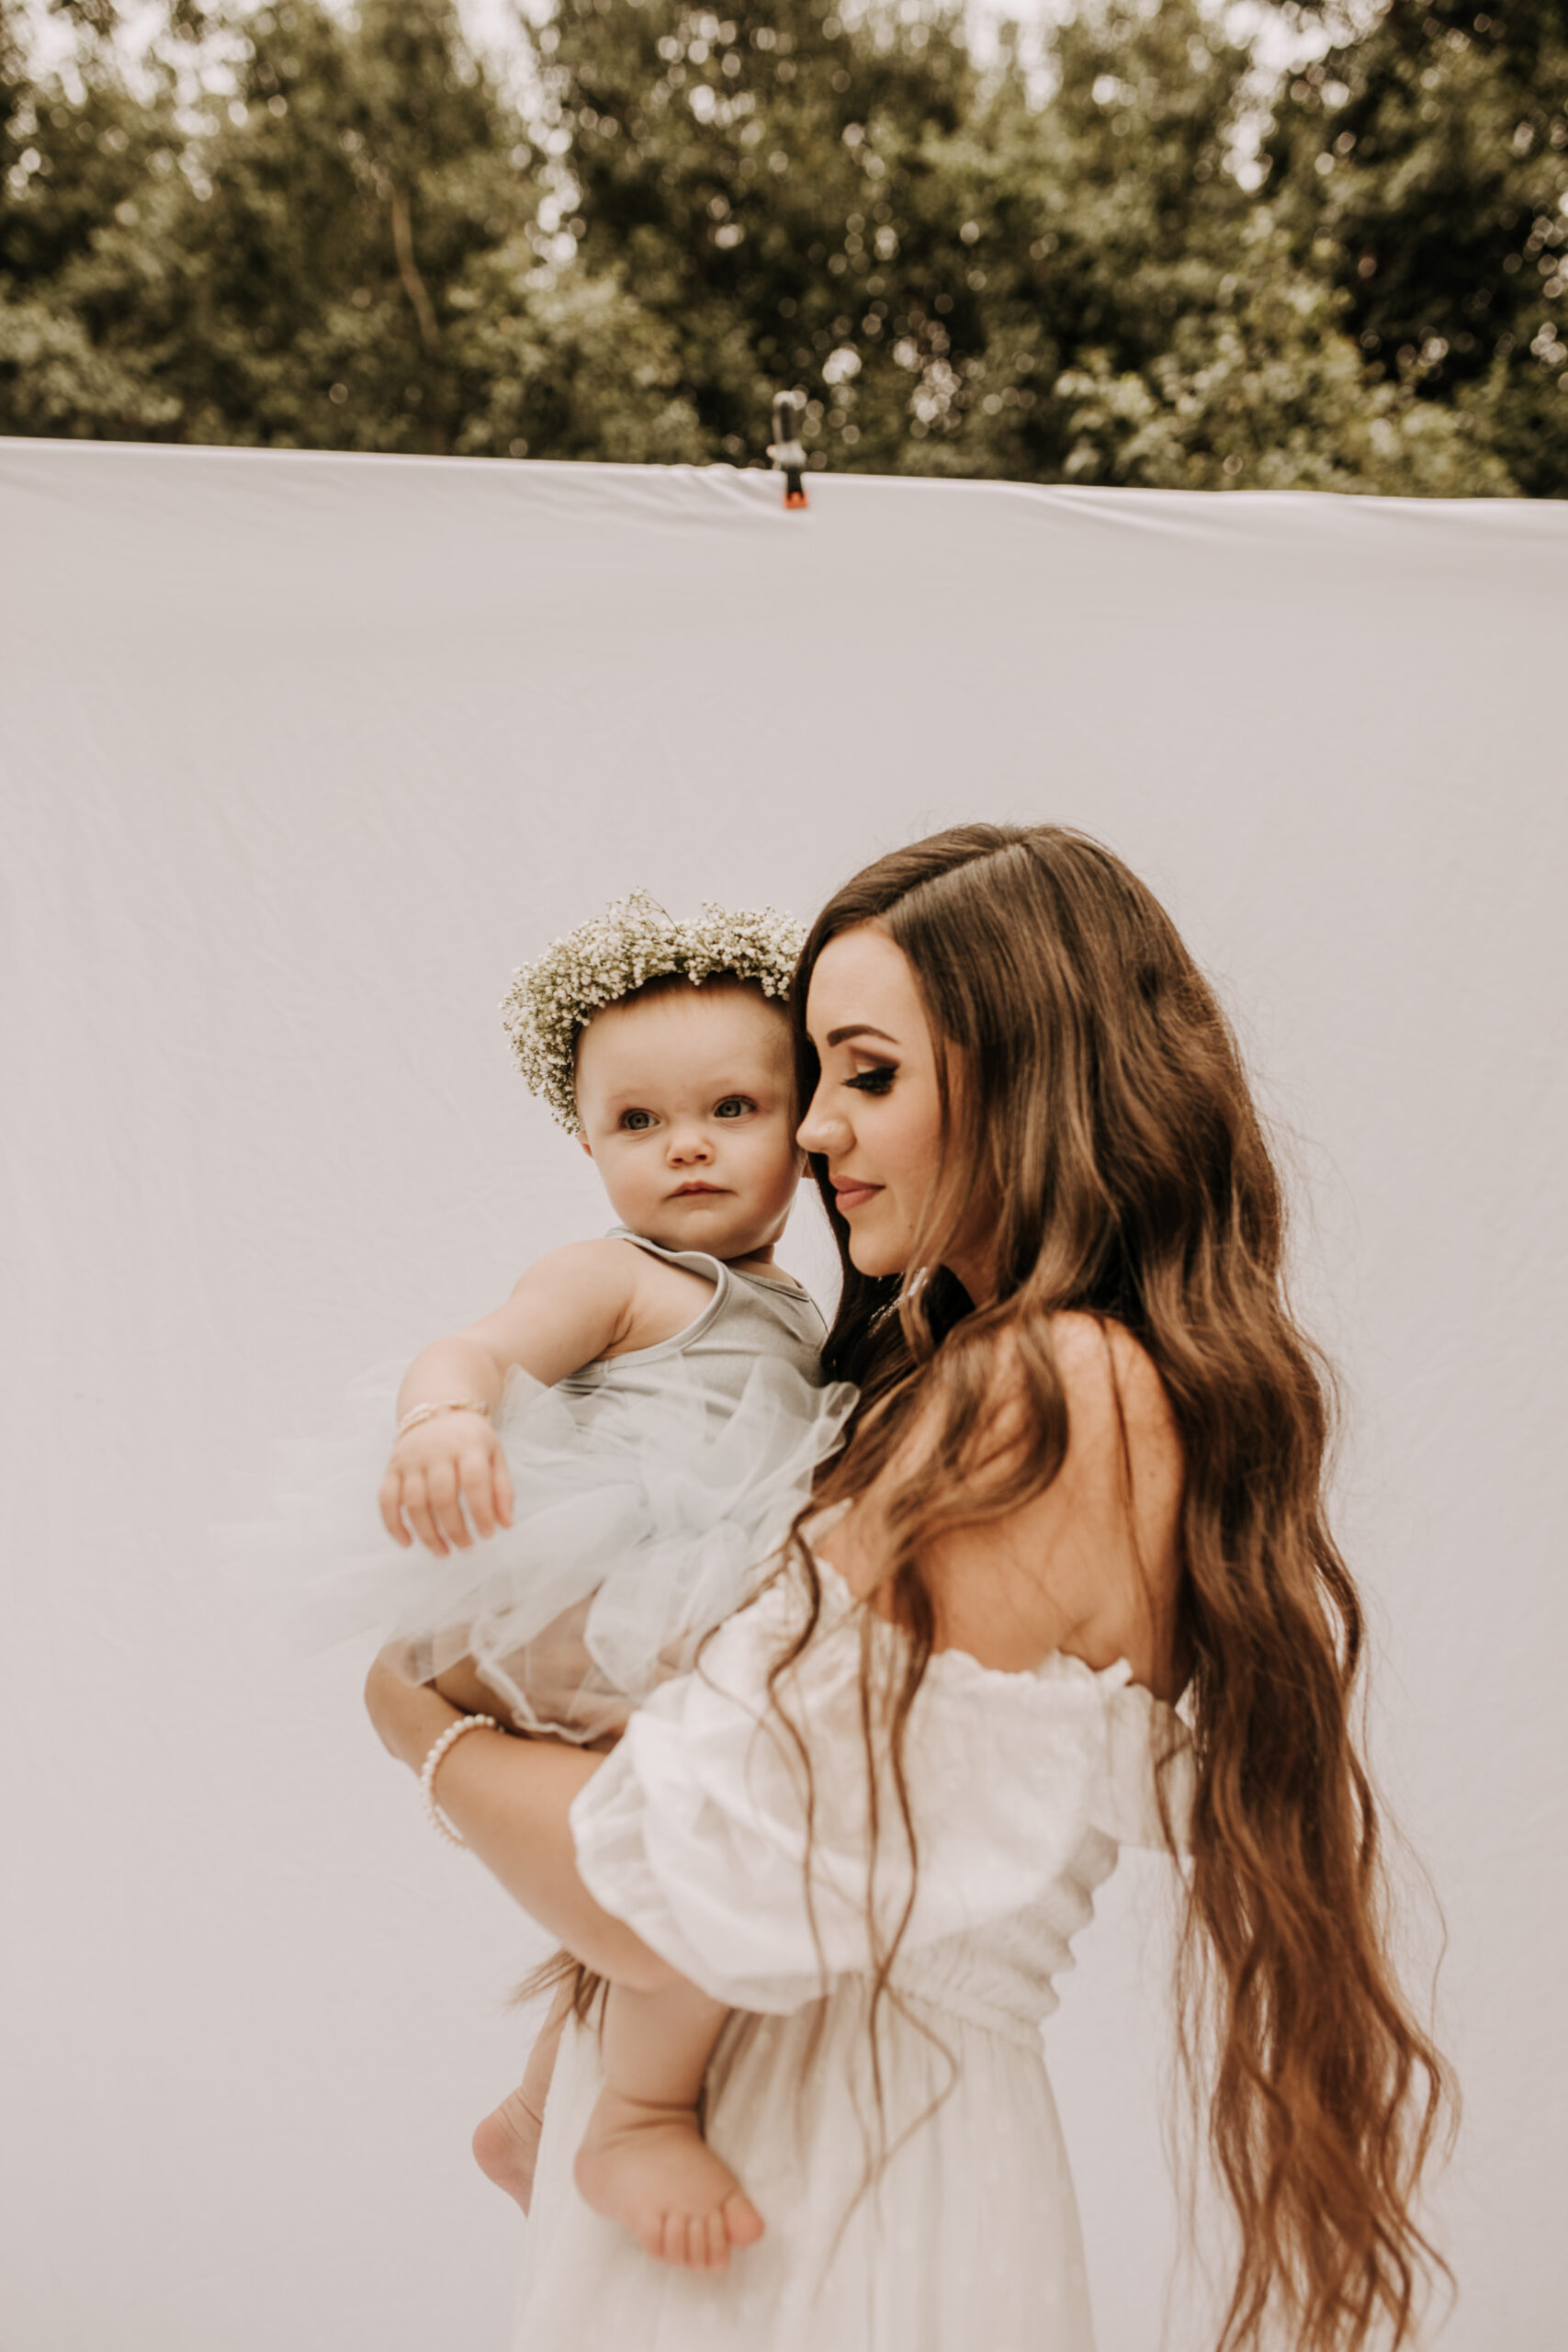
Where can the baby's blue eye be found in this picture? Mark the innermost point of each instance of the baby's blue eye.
(637, 1121)
(734, 1107)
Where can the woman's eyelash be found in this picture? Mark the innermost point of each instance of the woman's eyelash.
(872, 1081)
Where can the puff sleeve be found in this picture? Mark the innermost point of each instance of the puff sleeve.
(696, 1830)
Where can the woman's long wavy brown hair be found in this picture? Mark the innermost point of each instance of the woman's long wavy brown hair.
(1108, 1126)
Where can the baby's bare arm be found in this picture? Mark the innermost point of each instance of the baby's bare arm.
(571, 1307)
(568, 1308)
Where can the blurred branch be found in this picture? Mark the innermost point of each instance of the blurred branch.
(408, 270)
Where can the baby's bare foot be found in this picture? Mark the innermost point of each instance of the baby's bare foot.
(650, 2168)
(506, 2147)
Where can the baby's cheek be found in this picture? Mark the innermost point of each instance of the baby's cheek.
(782, 1164)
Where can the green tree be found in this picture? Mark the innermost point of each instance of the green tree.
(311, 230)
(341, 239)
(761, 180)
(962, 280)
(76, 164)
(1423, 167)
(1148, 321)
(314, 250)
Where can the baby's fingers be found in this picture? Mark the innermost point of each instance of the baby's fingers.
(416, 1504)
(500, 1477)
(392, 1502)
(445, 1504)
(474, 1473)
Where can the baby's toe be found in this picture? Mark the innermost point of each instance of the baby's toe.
(716, 2245)
(697, 2242)
(742, 2222)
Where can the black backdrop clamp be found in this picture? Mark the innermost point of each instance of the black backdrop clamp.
(785, 448)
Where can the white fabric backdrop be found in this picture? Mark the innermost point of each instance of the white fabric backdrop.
(300, 754)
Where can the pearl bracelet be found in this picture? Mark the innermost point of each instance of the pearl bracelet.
(418, 1413)
(449, 1738)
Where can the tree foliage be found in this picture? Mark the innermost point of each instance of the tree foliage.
(1427, 169)
(290, 226)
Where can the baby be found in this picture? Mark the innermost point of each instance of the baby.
(603, 1465)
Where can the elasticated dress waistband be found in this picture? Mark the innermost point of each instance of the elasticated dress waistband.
(965, 2007)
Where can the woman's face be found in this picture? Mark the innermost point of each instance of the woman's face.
(876, 1114)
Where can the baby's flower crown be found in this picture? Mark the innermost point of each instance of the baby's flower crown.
(551, 1001)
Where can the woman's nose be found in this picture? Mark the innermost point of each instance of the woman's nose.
(819, 1132)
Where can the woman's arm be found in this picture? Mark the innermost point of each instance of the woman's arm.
(510, 1799)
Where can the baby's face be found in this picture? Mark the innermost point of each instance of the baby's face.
(687, 1107)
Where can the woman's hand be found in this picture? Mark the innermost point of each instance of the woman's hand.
(436, 1467)
(408, 1715)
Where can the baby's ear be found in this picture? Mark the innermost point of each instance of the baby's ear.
(583, 1139)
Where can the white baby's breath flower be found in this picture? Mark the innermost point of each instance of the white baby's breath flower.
(552, 999)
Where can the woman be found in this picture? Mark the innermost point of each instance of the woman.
(1084, 1477)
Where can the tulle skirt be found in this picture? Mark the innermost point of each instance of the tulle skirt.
(640, 1523)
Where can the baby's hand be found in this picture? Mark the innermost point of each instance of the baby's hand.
(450, 1460)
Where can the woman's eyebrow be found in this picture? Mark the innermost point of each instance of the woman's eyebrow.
(859, 1029)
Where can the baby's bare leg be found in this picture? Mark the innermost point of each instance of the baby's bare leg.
(461, 1685)
(506, 2145)
(643, 2159)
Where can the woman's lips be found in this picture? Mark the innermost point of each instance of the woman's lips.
(852, 1195)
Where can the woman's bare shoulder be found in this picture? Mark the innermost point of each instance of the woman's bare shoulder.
(1115, 1391)
(1090, 1563)
(1115, 1399)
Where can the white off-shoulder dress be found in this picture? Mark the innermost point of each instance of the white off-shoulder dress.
(1022, 1788)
